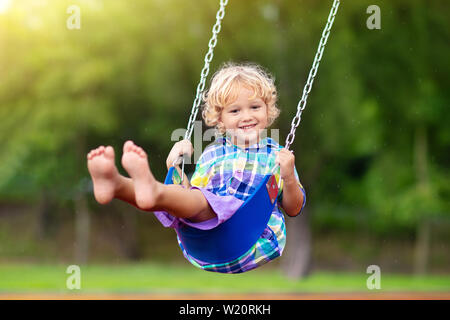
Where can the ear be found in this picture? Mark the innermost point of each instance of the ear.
(219, 120)
(219, 125)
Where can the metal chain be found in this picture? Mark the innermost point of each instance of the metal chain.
(208, 58)
(203, 75)
(306, 90)
(312, 73)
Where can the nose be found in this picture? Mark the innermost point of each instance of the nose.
(246, 116)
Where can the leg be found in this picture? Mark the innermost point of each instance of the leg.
(184, 203)
(152, 195)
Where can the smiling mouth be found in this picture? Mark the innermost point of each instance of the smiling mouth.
(247, 127)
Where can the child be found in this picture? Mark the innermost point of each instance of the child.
(240, 103)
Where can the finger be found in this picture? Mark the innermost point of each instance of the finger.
(277, 160)
(187, 143)
(187, 149)
(176, 161)
(182, 153)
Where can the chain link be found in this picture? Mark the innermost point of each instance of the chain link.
(312, 73)
(205, 71)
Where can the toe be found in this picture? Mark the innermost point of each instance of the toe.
(109, 152)
(128, 146)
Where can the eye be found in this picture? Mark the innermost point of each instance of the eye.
(256, 107)
(234, 111)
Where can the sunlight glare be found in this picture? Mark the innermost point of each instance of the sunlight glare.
(4, 5)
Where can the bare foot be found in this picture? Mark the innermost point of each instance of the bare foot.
(104, 173)
(135, 162)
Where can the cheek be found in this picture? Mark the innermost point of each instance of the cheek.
(264, 118)
(229, 121)
(265, 115)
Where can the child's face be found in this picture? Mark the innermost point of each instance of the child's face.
(245, 118)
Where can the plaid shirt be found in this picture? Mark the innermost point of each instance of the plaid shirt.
(226, 169)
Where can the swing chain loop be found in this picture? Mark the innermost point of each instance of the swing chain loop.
(312, 74)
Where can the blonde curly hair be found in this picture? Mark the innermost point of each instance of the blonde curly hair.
(225, 87)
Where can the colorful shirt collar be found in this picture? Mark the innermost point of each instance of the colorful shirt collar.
(263, 143)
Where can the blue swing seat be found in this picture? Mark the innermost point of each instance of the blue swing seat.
(237, 235)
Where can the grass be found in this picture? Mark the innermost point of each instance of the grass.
(159, 278)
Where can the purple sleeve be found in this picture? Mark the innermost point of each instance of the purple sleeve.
(223, 206)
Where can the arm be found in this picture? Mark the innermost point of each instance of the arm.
(293, 196)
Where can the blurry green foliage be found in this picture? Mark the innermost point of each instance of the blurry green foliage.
(131, 71)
